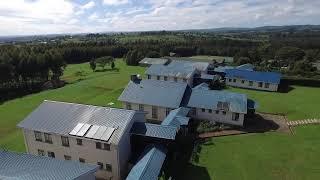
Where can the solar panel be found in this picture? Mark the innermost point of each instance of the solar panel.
(92, 131)
(107, 134)
(99, 132)
(83, 130)
(76, 129)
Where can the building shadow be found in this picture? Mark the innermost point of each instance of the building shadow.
(258, 124)
(194, 172)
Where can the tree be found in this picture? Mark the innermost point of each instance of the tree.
(242, 60)
(93, 65)
(153, 54)
(164, 52)
(113, 65)
(103, 61)
(289, 54)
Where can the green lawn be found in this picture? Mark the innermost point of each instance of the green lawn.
(99, 88)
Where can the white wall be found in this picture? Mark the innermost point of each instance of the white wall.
(255, 85)
(220, 117)
(171, 78)
(87, 151)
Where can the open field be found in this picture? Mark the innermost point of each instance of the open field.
(99, 88)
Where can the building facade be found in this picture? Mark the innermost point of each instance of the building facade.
(251, 84)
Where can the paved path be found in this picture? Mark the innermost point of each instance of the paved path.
(303, 122)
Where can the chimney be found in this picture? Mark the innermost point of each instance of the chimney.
(135, 78)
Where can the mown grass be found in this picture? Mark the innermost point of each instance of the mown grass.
(98, 88)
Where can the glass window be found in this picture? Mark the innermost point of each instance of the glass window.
(203, 110)
(234, 80)
(175, 79)
(98, 145)
(154, 112)
(141, 107)
(47, 138)
(106, 146)
(210, 111)
(109, 167)
(38, 136)
(100, 164)
(260, 84)
(65, 141)
(128, 106)
(250, 83)
(41, 152)
(158, 77)
(51, 154)
(149, 77)
(230, 80)
(236, 117)
(82, 160)
(242, 81)
(217, 111)
(167, 111)
(224, 113)
(165, 78)
(266, 85)
(67, 157)
(79, 142)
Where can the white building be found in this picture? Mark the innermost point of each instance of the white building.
(177, 71)
(155, 98)
(266, 81)
(85, 133)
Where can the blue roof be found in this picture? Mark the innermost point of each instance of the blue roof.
(209, 99)
(156, 93)
(177, 118)
(154, 130)
(182, 69)
(149, 165)
(269, 77)
(31, 167)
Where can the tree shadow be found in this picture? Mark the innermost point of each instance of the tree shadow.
(107, 70)
(194, 172)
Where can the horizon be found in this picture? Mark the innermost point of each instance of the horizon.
(46, 17)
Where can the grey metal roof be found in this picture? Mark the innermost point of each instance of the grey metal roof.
(149, 165)
(177, 118)
(209, 76)
(154, 130)
(156, 93)
(61, 118)
(202, 86)
(181, 69)
(209, 99)
(31, 167)
(149, 61)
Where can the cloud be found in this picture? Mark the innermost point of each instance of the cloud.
(115, 2)
(89, 5)
(93, 16)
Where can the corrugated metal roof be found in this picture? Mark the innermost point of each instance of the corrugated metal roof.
(269, 77)
(149, 165)
(31, 167)
(209, 76)
(61, 118)
(154, 130)
(209, 99)
(150, 61)
(177, 118)
(182, 69)
(222, 69)
(156, 93)
(248, 67)
(204, 86)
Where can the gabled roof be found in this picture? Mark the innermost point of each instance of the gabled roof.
(181, 69)
(154, 130)
(61, 118)
(31, 167)
(156, 93)
(149, 165)
(269, 77)
(209, 99)
(149, 61)
(177, 118)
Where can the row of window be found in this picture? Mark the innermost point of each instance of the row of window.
(154, 110)
(260, 84)
(108, 167)
(65, 141)
(165, 78)
(235, 117)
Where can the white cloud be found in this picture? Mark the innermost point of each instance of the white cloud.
(89, 5)
(93, 16)
(115, 2)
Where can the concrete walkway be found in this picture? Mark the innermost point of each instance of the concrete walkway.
(303, 122)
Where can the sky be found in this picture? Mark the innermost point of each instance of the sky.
(31, 17)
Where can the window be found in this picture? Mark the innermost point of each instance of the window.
(175, 79)
(224, 113)
(38, 136)
(79, 142)
(203, 110)
(100, 164)
(149, 77)
(210, 111)
(68, 158)
(98, 145)
(266, 85)
(47, 138)
(217, 111)
(235, 117)
(184, 80)
(250, 83)
(154, 112)
(65, 141)
(41, 152)
(141, 107)
(165, 78)
(51, 154)
(167, 111)
(106, 146)
(242, 81)
(82, 160)
(109, 167)
(234, 80)
(260, 84)
(128, 106)
(230, 80)
(158, 77)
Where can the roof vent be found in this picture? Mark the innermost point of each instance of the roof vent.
(135, 78)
